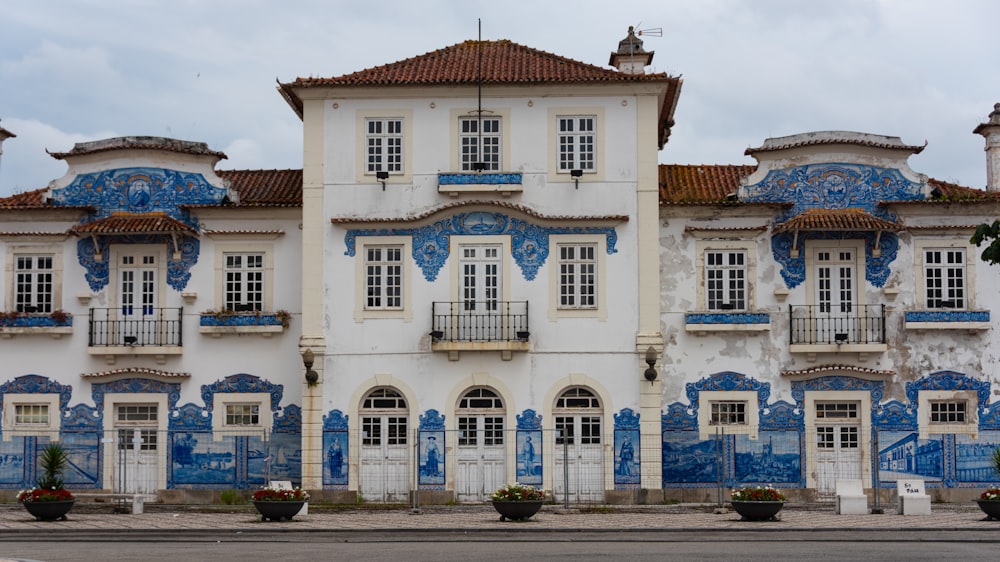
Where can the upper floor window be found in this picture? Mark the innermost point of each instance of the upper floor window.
(479, 143)
(244, 282)
(383, 277)
(33, 283)
(948, 411)
(31, 415)
(578, 276)
(728, 412)
(944, 277)
(384, 145)
(726, 280)
(577, 142)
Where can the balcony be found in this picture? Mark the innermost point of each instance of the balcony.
(504, 183)
(479, 326)
(837, 328)
(135, 331)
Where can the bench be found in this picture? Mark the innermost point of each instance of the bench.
(913, 500)
(851, 498)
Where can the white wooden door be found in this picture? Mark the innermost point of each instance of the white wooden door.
(579, 455)
(136, 463)
(480, 461)
(384, 458)
(838, 445)
(137, 299)
(481, 286)
(836, 296)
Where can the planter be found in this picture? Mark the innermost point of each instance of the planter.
(49, 511)
(517, 511)
(757, 511)
(278, 511)
(991, 508)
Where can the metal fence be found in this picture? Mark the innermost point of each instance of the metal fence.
(845, 323)
(136, 327)
(480, 321)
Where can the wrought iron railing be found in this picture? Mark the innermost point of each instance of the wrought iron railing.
(135, 327)
(480, 321)
(837, 324)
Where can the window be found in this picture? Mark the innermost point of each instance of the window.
(244, 282)
(944, 277)
(836, 410)
(33, 283)
(948, 411)
(384, 145)
(728, 413)
(725, 280)
(31, 415)
(576, 143)
(479, 143)
(577, 276)
(383, 277)
(480, 418)
(243, 414)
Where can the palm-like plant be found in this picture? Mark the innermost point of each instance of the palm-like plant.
(52, 461)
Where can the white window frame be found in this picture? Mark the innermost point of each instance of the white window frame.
(247, 274)
(361, 309)
(385, 144)
(49, 429)
(559, 168)
(728, 274)
(220, 406)
(856, 246)
(599, 244)
(578, 280)
(920, 249)
(223, 250)
(927, 428)
(383, 276)
(485, 147)
(749, 269)
(249, 410)
(727, 413)
(50, 251)
(707, 429)
(576, 143)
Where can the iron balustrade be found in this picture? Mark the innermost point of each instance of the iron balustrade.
(837, 324)
(144, 326)
(480, 321)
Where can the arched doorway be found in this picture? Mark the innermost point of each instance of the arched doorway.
(481, 450)
(579, 454)
(384, 466)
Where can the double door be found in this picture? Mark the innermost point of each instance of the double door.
(385, 458)
(480, 457)
(579, 458)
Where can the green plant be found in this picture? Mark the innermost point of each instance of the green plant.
(52, 462)
(517, 493)
(59, 316)
(230, 497)
(284, 317)
(757, 494)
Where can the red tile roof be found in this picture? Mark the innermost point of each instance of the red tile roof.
(266, 188)
(836, 219)
(25, 200)
(128, 223)
(699, 184)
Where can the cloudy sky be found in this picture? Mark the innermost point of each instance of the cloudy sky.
(205, 70)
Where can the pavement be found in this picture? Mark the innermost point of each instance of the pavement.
(162, 519)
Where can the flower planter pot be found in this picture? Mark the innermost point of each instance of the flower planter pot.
(991, 508)
(757, 511)
(278, 511)
(49, 511)
(517, 510)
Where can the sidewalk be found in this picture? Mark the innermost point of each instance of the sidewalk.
(687, 518)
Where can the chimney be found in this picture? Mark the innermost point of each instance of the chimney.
(631, 58)
(991, 132)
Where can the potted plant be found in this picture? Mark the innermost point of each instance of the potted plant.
(989, 501)
(49, 500)
(517, 501)
(279, 504)
(757, 503)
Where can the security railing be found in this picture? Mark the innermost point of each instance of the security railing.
(135, 327)
(837, 324)
(480, 321)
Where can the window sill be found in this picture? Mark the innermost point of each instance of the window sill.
(506, 348)
(482, 182)
(219, 331)
(56, 332)
(971, 320)
(263, 324)
(703, 322)
(158, 352)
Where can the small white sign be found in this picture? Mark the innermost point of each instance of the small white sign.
(911, 487)
(281, 484)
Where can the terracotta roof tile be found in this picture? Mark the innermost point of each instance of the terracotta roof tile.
(266, 188)
(836, 219)
(28, 199)
(826, 369)
(684, 184)
(128, 223)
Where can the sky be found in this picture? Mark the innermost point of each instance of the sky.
(206, 70)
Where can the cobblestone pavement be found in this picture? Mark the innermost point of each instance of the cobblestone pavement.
(966, 517)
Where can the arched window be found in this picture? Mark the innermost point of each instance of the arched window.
(480, 418)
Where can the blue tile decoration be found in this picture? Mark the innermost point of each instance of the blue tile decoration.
(288, 420)
(82, 417)
(480, 179)
(529, 419)
(728, 381)
(35, 321)
(432, 447)
(690, 462)
(529, 242)
(178, 270)
(989, 419)
(243, 383)
(264, 319)
(727, 318)
(834, 186)
(37, 384)
(282, 459)
(627, 418)
(135, 386)
(973, 458)
(771, 459)
(432, 420)
(529, 456)
(894, 416)
(679, 417)
(836, 382)
(627, 458)
(781, 415)
(190, 417)
(902, 456)
(947, 316)
(337, 450)
(198, 461)
(949, 380)
(15, 474)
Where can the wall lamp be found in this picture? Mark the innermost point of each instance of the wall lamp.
(650, 372)
(382, 176)
(576, 175)
(312, 377)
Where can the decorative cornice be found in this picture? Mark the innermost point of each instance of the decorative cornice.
(478, 203)
(135, 371)
(829, 369)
